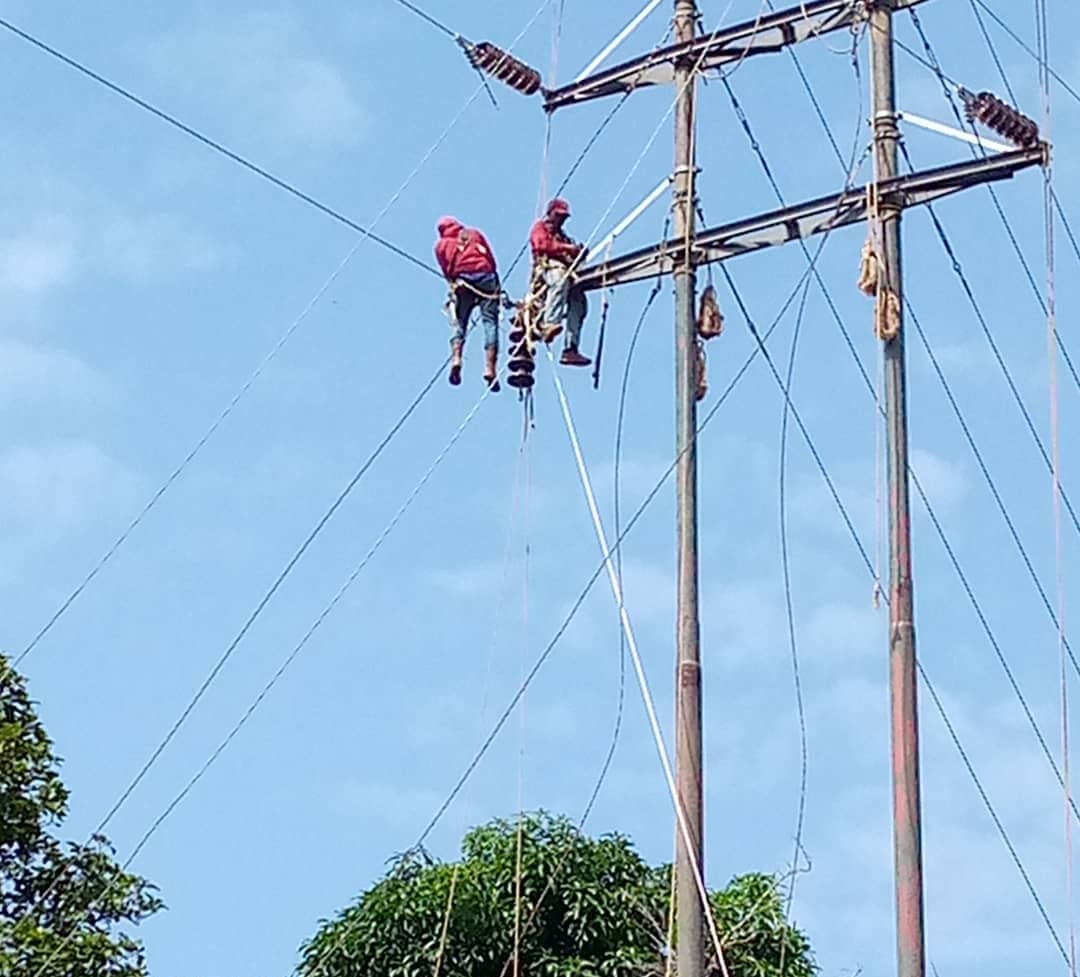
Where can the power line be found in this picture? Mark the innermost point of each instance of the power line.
(1027, 47)
(992, 485)
(486, 745)
(438, 25)
(947, 90)
(941, 709)
(932, 514)
(984, 325)
(155, 498)
(213, 144)
(283, 667)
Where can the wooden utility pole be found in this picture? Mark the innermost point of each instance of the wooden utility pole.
(907, 804)
(689, 861)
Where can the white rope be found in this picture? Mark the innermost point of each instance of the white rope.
(639, 668)
(618, 39)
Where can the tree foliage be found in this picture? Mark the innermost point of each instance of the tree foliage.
(62, 906)
(589, 908)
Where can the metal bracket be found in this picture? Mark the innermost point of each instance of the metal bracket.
(765, 35)
(806, 219)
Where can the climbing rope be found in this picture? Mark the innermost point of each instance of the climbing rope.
(635, 654)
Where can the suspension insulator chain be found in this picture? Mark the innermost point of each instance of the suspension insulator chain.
(1002, 118)
(485, 56)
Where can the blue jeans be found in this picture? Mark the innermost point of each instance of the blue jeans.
(465, 300)
(565, 303)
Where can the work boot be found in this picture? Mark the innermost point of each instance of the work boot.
(490, 371)
(550, 331)
(571, 357)
(458, 348)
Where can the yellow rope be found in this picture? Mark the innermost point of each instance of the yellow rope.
(446, 920)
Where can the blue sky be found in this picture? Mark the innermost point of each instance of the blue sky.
(142, 277)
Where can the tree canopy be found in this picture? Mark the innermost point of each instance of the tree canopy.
(589, 908)
(63, 906)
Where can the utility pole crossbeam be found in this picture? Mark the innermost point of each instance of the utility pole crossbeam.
(804, 220)
(765, 35)
(689, 850)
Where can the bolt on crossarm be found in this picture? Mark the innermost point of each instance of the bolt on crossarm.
(907, 803)
(689, 859)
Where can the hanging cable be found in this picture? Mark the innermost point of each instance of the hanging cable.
(1042, 32)
(789, 610)
(246, 386)
(635, 657)
(1012, 529)
(493, 646)
(862, 551)
(282, 668)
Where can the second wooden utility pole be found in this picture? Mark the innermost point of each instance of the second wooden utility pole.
(689, 862)
(907, 804)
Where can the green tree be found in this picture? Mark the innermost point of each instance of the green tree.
(63, 907)
(589, 908)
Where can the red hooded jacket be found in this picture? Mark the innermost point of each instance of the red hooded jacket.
(549, 242)
(463, 250)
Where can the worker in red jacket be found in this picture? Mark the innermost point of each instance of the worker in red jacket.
(554, 257)
(467, 261)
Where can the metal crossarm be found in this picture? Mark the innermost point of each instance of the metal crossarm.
(767, 35)
(806, 219)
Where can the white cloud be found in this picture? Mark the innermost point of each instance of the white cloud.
(36, 374)
(38, 258)
(52, 490)
(262, 67)
(944, 481)
(153, 246)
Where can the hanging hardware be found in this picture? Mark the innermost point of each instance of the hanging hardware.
(710, 322)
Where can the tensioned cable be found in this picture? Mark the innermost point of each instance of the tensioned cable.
(572, 613)
(282, 668)
(914, 477)
(948, 92)
(1027, 47)
(995, 349)
(437, 24)
(214, 144)
(234, 401)
(941, 709)
(1053, 341)
(639, 668)
(1009, 523)
(999, 501)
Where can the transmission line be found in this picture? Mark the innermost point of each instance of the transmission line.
(246, 386)
(947, 90)
(275, 678)
(940, 706)
(915, 480)
(213, 144)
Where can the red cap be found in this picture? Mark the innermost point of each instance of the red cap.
(558, 206)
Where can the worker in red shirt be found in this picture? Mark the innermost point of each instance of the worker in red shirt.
(554, 255)
(467, 261)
